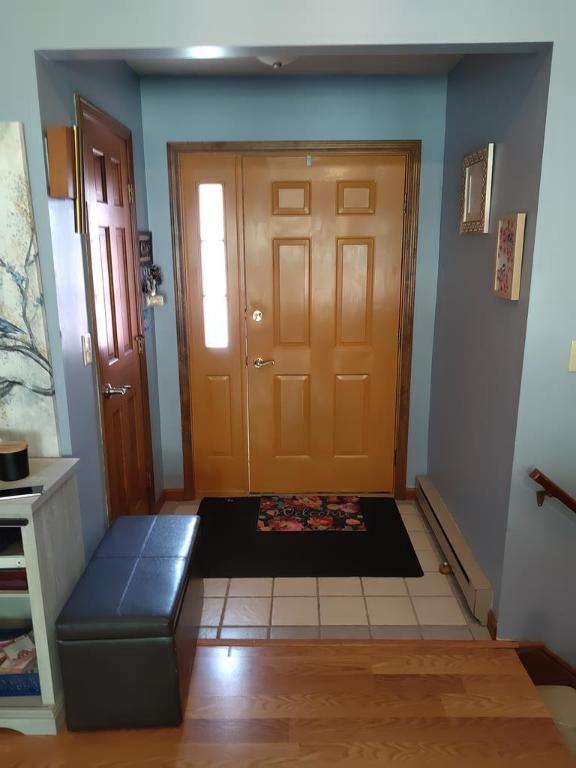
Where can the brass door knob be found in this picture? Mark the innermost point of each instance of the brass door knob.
(260, 362)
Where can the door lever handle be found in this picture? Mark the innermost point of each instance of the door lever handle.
(260, 362)
(108, 390)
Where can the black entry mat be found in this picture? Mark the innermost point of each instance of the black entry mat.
(231, 546)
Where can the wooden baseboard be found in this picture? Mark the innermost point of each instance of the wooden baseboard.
(174, 494)
(169, 494)
(179, 494)
(159, 502)
(492, 624)
(409, 494)
(544, 666)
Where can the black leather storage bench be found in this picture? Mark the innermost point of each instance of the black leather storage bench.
(127, 635)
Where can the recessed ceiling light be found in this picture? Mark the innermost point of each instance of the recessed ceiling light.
(205, 52)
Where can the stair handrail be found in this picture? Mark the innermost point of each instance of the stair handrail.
(551, 489)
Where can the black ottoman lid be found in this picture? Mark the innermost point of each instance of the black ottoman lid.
(149, 536)
(131, 588)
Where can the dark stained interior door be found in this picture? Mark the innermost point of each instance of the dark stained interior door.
(107, 155)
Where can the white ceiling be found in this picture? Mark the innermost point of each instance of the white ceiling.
(424, 64)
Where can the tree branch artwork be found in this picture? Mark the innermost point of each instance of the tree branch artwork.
(25, 368)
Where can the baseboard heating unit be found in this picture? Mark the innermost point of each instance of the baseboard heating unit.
(472, 580)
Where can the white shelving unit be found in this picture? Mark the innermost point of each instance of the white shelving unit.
(53, 554)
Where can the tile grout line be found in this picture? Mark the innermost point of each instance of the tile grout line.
(418, 625)
(224, 604)
(269, 627)
(317, 580)
(366, 609)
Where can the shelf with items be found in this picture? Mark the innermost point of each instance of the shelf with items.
(19, 674)
(12, 560)
(52, 551)
(11, 549)
(13, 576)
(15, 609)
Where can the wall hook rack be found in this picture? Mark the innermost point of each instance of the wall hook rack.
(151, 279)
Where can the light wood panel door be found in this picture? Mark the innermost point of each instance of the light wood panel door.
(323, 258)
(216, 349)
(120, 346)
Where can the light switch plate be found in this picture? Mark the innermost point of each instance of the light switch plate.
(87, 348)
(572, 361)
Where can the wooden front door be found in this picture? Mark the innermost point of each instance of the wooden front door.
(293, 271)
(119, 350)
(323, 250)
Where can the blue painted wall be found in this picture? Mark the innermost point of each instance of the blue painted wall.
(257, 109)
(479, 338)
(539, 580)
(539, 569)
(116, 89)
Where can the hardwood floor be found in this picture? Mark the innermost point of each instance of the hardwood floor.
(331, 705)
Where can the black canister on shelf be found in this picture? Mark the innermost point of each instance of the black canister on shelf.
(14, 460)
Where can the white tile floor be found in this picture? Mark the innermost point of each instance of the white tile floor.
(431, 607)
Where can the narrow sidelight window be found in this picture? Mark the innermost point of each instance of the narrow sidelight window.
(213, 258)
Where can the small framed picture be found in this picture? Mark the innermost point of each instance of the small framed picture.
(476, 190)
(145, 247)
(510, 245)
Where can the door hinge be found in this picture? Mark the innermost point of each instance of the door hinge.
(395, 454)
(130, 194)
(405, 202)
(140, 344)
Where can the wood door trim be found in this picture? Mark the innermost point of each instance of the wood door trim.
(85, 110)
(411, 150)
(408, 292)
(181, 288)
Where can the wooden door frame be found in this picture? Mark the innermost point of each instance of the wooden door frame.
(84, 110)
(411, 150)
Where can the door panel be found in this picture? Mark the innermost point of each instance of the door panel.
(219, 411)
(292, 410)
(351, 401)
(354, 289)
(323, 265)
(292, 291)
(215, 320)
(127, 447)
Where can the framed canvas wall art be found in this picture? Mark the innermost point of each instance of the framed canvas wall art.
(476, 191)
(509, 249)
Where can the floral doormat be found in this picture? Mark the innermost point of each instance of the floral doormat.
(310, 513)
